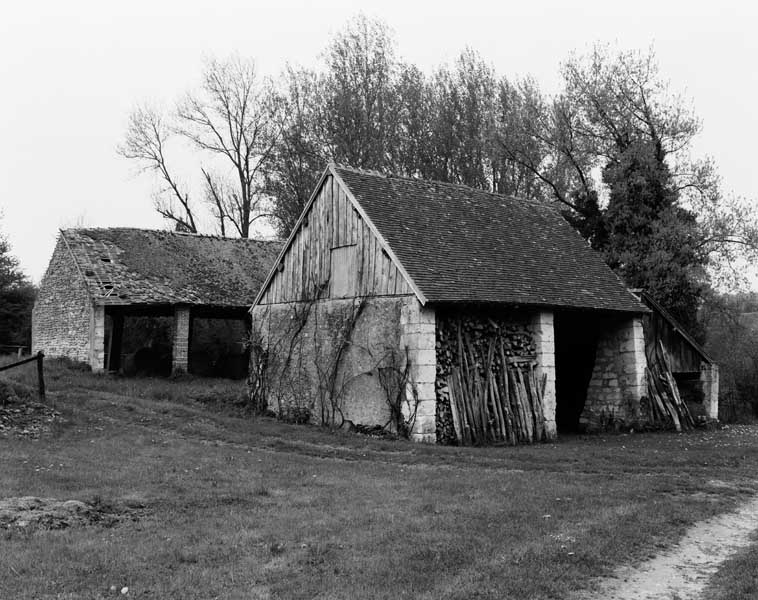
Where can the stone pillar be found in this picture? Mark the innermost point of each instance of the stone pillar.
(418, 335)
(180, 350)
(543, 333)
(117, 335)
(632, 380)
(618, 377)
(97, 338)
(709, 380)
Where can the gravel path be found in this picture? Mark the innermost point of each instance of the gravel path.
(682, 572)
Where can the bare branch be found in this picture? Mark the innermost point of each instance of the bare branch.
(145, 142)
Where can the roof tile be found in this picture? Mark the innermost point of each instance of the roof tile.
(459, 244)
(144, 266)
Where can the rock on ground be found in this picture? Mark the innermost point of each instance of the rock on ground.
(49, 513)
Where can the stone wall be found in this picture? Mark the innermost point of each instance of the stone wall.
(63, 311)
(294, 360)
(618, 382)
(417, 334)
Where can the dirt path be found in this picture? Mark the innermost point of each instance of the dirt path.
(682, 572)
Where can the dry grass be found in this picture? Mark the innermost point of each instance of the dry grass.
(231, 507)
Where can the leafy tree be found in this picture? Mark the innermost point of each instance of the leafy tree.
(17, 296)
(462, 120)
(298, 157)
(412, 153)
(358, 122)
(659, 216)
(612, 148)
(345, 112)
(651, 238)
(731, 330)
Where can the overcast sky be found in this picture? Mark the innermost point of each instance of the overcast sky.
(70, 72)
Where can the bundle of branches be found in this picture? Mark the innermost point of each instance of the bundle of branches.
(497, 399)
(482, 326)
(666, 405)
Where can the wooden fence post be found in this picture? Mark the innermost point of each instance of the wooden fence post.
(40, 374)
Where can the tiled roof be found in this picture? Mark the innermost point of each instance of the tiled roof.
(144, 266)
(459, 244)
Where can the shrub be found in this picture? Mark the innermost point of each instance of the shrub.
(13, 392)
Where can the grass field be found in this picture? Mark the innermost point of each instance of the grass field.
(737, 579)
(217, 504)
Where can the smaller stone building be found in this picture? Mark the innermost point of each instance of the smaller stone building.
(99, 278)
(394, 296)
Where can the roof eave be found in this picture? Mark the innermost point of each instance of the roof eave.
(641, 310)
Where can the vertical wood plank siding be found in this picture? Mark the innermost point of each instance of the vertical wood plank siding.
(332, 222)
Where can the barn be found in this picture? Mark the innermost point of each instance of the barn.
(450, 314)
(171, 301)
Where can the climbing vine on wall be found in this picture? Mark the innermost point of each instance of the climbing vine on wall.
(308, 358)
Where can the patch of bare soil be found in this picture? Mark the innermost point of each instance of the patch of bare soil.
(682, 572)
(29, 513)
(26, 419)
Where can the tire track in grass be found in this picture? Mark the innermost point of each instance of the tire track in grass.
(683, 571)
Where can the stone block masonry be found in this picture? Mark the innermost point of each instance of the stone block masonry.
(618, 378)
(543, 333)
(180, 350)
(417, 334)
(63, 310)
(97, 338)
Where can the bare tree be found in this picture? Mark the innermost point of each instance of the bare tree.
(232, 121)
(232, 117)
(145, 142)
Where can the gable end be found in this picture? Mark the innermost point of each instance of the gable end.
(334, 251)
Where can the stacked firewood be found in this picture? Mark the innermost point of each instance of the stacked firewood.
(666, 405)
(487, 385)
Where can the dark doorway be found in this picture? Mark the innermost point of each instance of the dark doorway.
(576, 335)
(146, 347)
(218, 348)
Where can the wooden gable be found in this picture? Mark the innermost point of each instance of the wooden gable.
(334, 252)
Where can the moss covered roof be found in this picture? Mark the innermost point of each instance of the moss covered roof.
(145, 266)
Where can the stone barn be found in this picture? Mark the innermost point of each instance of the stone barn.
(450, 314)
(179, 300)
